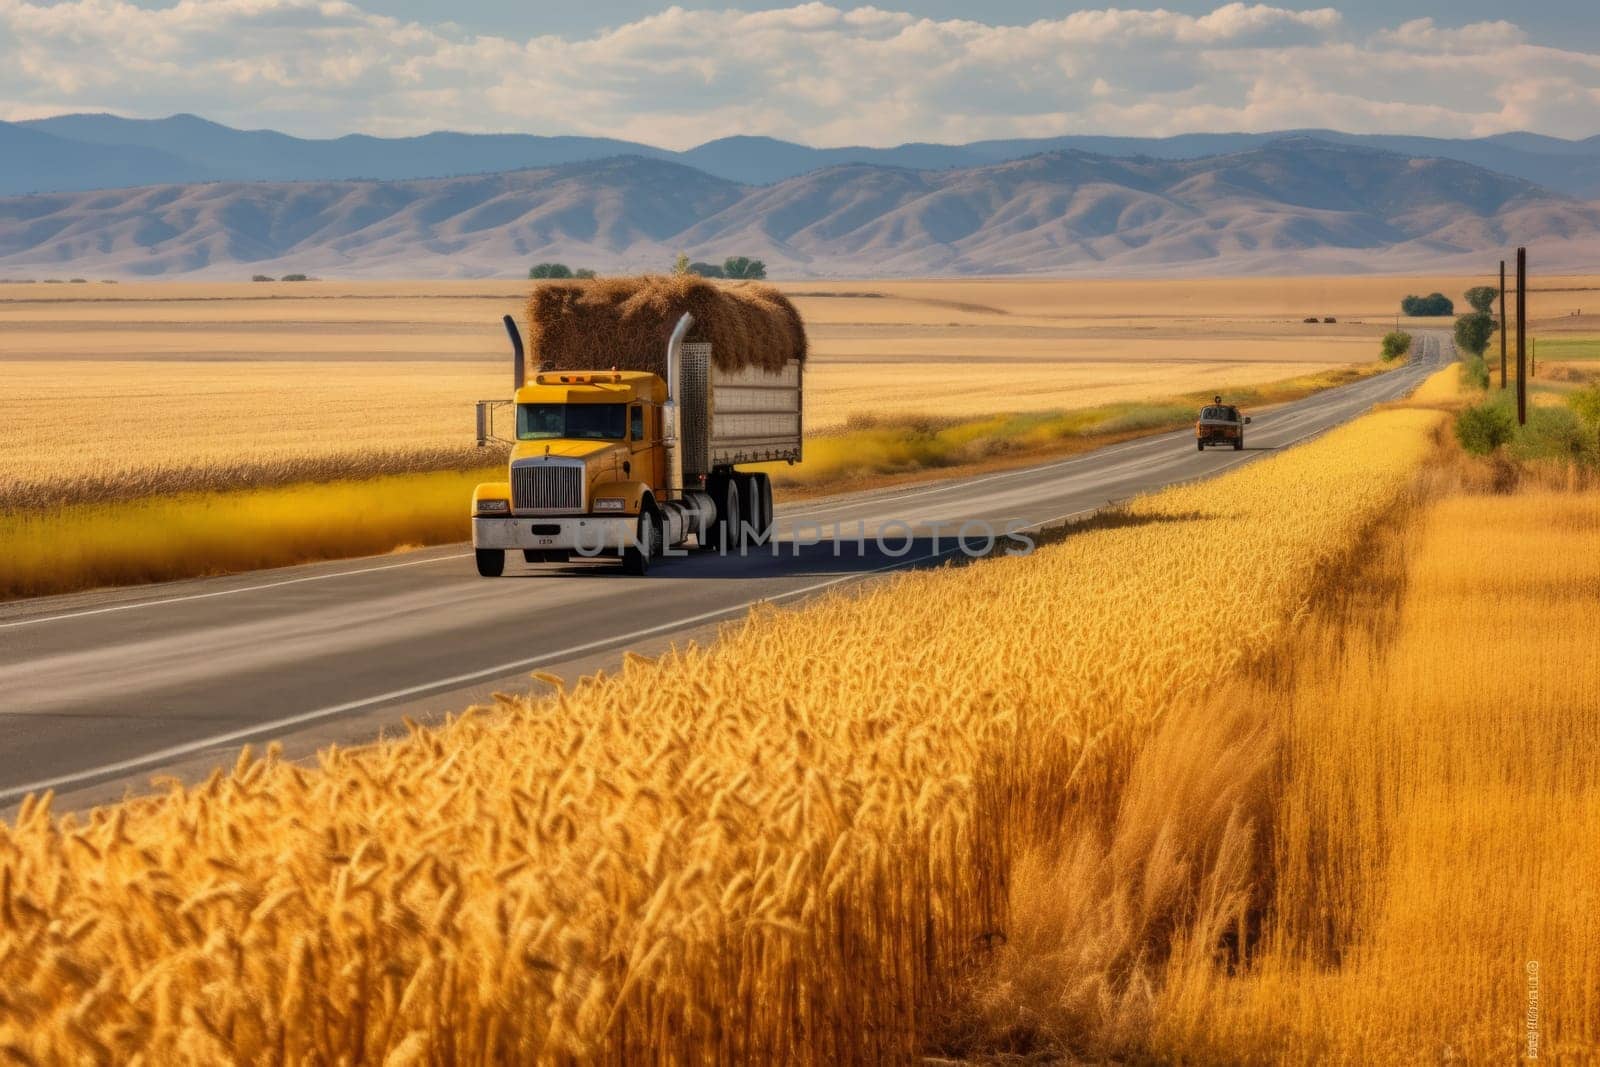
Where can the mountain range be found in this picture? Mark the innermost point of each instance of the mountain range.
(74, 152)
(1285, 205)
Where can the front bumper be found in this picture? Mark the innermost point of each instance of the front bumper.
(585, 534)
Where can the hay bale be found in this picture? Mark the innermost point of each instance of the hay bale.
(625, 323)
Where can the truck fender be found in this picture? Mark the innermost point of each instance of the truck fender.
(634, 495)
(492, 491)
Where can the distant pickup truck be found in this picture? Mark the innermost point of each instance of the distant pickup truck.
(1220, 424)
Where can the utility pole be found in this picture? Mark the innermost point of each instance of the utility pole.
(1502, 325)
(1522, 335)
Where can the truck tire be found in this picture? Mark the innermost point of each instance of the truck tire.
(724, 533)
(491, 562)
(755, 500)
(1199, 446)
(764, 513)
(1238, 443)
(636, 557)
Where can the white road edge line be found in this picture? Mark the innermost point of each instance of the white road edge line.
(226, 592)
(13, 793)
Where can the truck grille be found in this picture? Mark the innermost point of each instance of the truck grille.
(546, 486)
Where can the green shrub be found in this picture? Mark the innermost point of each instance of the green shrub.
(261, 278)
(1396, 343)
(707, 270)
(1474, 373)
(1434, 304)
(295, 278)
(549, 270)
(1486, 427)
(583, 272)
(1473, 332)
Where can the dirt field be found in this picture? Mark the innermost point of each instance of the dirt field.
(101, 377)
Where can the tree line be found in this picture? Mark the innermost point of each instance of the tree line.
(739, 267)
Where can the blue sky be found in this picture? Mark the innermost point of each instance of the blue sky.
(822, 72)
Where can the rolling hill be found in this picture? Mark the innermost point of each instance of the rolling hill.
(186, 148)
(1297, 205)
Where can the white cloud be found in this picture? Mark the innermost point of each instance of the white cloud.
(813, 72)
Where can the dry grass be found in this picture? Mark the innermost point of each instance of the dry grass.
(1436, 813)
(1364, 850)
(85, 432)
(152, 539)
(787, 847)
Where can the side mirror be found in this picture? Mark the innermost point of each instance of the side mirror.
(1247, 420)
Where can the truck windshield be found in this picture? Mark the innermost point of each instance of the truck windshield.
(591, 422)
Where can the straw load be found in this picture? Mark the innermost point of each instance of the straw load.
(625, 323)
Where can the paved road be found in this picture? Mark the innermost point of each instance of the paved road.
(100, 691)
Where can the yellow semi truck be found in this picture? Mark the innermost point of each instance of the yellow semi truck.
(621, 463)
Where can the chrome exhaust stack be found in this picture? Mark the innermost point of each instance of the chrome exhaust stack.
(519, 368)
(674, 427)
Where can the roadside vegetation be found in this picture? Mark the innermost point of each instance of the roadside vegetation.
(1563, 418)
(184, 535)
(807, 850)
(1396, 344)
(1456, 716)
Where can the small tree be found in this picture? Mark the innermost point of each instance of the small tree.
(584, 273)
(550, 270)
(1473, 332)
(1396, 343)
(1481, 297)
(261, 277)
(744, 267)
(1431, 306)
(707, 270)
(1484, 428)
(294, 278)
(681, 265)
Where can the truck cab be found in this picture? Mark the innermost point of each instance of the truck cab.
(588, 454)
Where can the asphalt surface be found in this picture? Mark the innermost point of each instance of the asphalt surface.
(101, 691)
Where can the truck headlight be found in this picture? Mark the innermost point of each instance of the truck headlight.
(494, 507)
(610, 504)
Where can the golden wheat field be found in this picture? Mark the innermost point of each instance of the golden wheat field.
(158, 384)
(802, 854)
(1434, 813)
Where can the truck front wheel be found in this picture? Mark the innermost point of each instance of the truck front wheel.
(636, 557)
(491, 562)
